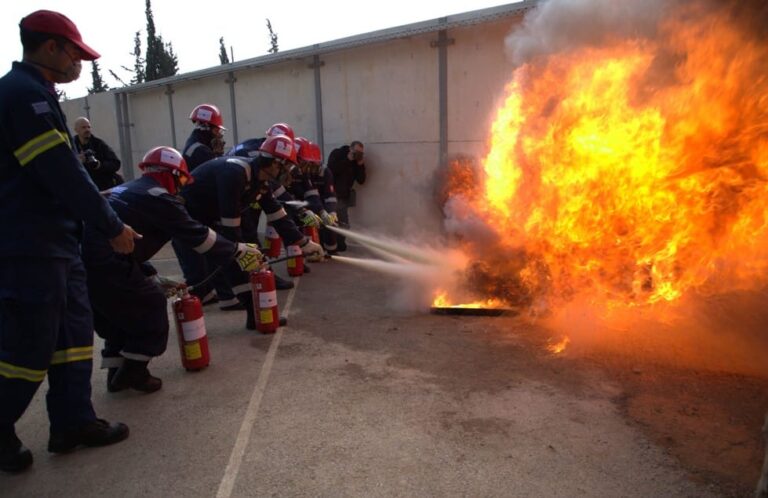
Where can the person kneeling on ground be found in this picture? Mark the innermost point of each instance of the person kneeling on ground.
(129, 306)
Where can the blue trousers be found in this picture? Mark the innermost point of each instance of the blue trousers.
(129, 310)
(196, 267)
(46, 328)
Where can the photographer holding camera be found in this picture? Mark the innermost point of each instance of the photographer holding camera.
(347, 163)
(99, 159)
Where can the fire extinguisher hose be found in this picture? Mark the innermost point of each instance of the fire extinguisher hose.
(218, 269)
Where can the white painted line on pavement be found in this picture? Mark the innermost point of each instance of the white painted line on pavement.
(227, 483)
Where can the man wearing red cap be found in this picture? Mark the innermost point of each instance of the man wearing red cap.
(46, 325)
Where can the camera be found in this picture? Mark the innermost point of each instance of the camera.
(90, 159)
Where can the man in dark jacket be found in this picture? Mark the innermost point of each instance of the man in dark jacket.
(348, 166)
(99, 159)
(46, 326)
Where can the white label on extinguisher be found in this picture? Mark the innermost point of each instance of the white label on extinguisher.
(294, 251)
(267, 299)
(271, 232)
(193, 330)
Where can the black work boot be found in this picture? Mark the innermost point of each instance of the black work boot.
(306, 269)
(96, 433)
(111, 375)
(14, 457)
(282, 284)
(135, 374)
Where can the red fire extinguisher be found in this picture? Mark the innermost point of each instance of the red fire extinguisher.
(296, 263)
(190, 326)
(313, 233)
(265, 301)
(272, 242)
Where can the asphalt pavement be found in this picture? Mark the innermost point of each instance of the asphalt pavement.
(360, 394)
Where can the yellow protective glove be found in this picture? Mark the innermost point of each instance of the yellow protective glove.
(310, 219)
(329, 218)
(248, 257)
(310, 247)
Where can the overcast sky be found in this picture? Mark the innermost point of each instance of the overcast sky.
(195, 27)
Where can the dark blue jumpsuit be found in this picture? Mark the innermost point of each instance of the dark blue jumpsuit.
(198, 150)
(251, 214)
(46, 325)
(129, 307)
(223, 192)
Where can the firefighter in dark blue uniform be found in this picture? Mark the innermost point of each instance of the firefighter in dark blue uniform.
(225, 189)
(206, 141)
(129, 306)
(250, 217)
(288, 188)
(46, 326)
(321, 177)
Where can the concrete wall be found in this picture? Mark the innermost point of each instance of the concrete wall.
(383, 93)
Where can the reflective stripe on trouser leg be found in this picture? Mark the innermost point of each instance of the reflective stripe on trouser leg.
(69, 376)
(40, 306)
(240, 285)
(30, 303)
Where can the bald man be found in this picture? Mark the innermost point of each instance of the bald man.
(99, 159)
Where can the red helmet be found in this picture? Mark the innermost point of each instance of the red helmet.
(315, 155)
(303, 146)
(207, 114)
(280, 129)
(166, 160)
(279, 146)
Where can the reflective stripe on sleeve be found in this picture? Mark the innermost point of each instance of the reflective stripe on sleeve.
(230, 222)
(311, 192)
(38, 145)
(243, 164)
(191, 149)
(280, 191)
(206, 246)
(10, 371)
(277, 215)
(72, 354)
(331, 199)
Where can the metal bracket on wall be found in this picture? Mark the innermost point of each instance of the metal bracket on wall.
(313, 65)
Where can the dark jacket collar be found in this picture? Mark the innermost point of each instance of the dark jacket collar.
(35, 74)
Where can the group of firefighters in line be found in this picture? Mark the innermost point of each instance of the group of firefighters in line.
(75, 260)
(208, 203)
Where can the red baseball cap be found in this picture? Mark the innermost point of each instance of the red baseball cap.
(53, 23)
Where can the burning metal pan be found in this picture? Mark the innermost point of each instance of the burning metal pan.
(459, 311)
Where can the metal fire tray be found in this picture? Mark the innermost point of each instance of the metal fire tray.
(455, 310)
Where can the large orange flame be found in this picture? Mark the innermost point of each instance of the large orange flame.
(635, 173)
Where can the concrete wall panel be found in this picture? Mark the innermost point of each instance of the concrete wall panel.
(478, 72)
(283, 93)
